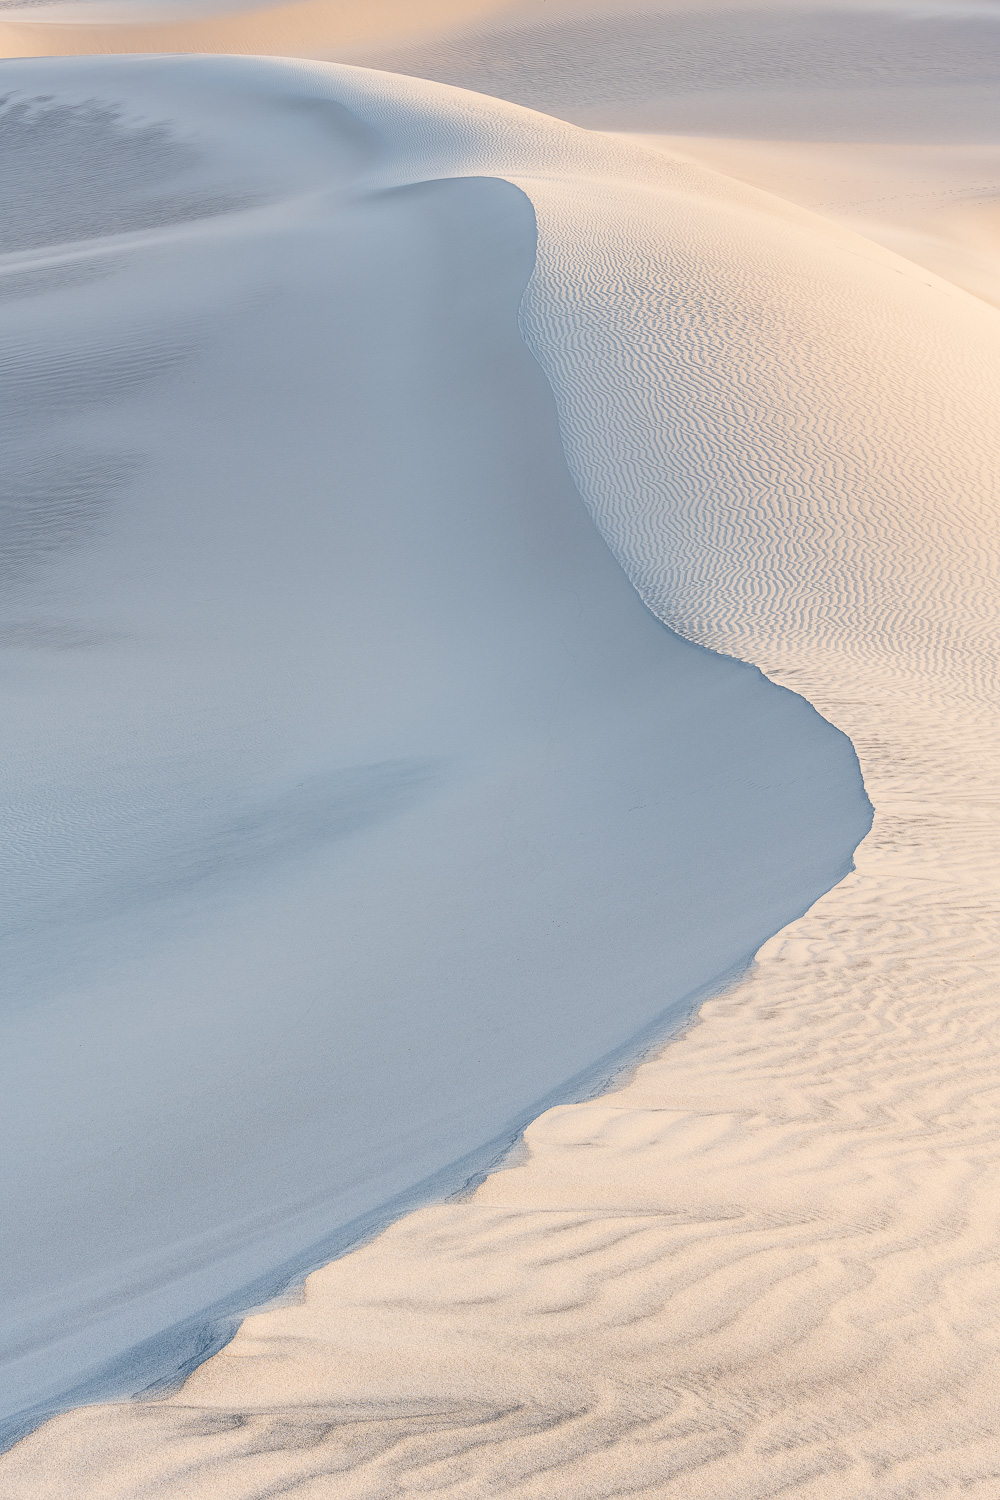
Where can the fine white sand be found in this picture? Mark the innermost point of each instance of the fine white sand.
(357, 807)
(938, 205)
(767, 1265)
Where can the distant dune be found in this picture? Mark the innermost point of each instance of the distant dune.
(302, 28)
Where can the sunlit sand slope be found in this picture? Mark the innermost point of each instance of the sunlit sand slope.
(767, 1265)
(938, 205)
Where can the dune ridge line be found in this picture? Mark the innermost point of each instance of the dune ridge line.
(359, 809)
(765, 1265)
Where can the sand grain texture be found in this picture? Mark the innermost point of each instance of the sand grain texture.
(938, 205)
(357, 810)
(768, 1265)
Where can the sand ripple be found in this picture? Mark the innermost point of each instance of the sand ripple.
(769, 1264)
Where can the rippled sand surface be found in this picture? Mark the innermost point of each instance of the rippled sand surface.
(356, 808)
(766, 1265)
(936, 204)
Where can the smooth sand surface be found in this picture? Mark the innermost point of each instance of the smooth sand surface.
(787, 69)
(767, 1265)
(356, 807)
(882, 117)
(938, 205)
(302, 28)
(797, 72)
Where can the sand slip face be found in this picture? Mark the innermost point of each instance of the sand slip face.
(767, 1265)
(357, 807)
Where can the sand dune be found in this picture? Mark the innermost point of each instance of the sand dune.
(357, 808)
(303, 28)
(766, 1265)
(791, 71)
(938, 205)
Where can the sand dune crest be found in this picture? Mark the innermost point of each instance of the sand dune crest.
(766, 1265)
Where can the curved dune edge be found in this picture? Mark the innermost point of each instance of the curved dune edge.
(766, 1265)
(545, 827)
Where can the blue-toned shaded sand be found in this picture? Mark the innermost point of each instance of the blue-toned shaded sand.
(356, 806)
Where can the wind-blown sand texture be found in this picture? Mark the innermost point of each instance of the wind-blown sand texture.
(891, 72)
(357, 808)
(938, 205)
(767, 1265)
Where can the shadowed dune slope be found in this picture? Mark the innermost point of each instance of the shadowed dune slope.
(357, 807)
(766, 1265)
